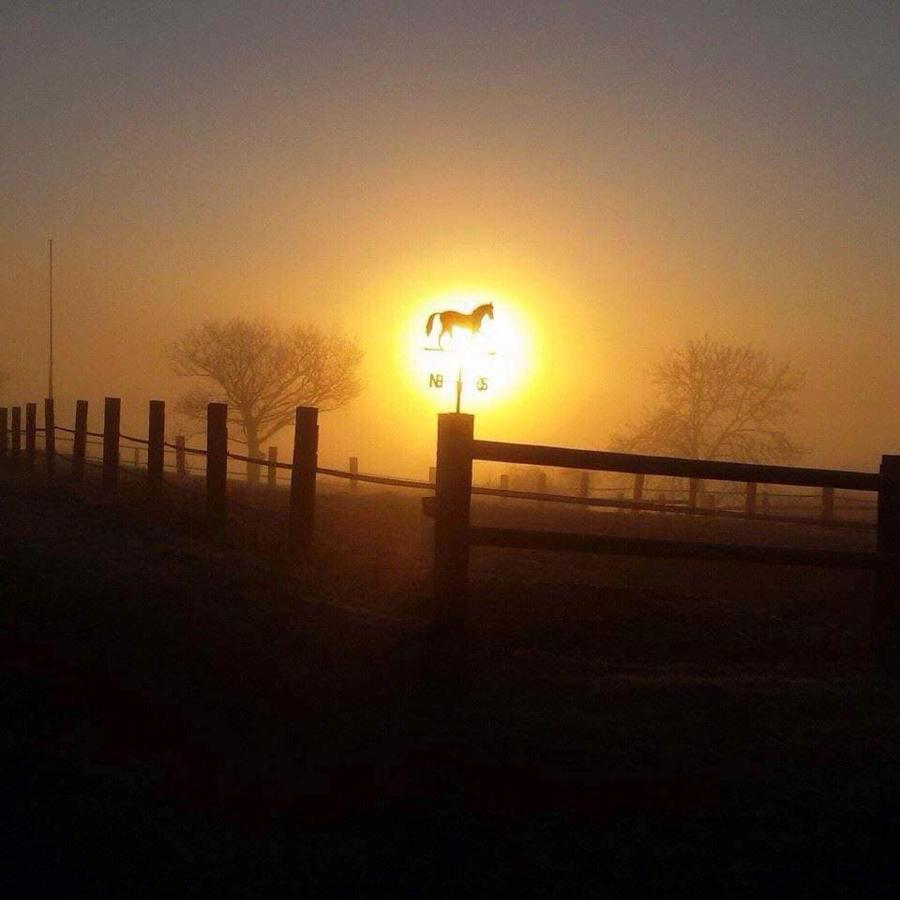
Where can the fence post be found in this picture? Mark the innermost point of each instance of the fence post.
(584, 484)
(541, 478)
(272, 470)
(453, 497)
(750, 500)
(216, 466)
(638, 492)
(16, 442)
(30, 433)
(79, 440)
(584, 491)
(303, 479)
(693, 488)
(886, 617)
(50, 435)
(180, 457)
(354, 470)
(4, 433)
(112, 411)
(827, 504)
(156, 443)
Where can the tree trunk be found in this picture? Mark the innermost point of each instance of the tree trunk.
(253, 449)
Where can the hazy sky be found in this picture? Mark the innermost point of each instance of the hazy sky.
(630, 174)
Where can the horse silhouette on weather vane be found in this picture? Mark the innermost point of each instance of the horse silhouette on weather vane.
(470, 322)
(451, 319)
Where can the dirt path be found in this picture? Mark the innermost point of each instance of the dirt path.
(183, 719)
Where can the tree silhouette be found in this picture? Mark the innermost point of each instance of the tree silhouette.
(719, 401)
(263, 372)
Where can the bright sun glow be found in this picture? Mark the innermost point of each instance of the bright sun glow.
(493, 360)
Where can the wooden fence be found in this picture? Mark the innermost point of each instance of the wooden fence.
(451, 483)
(302, 470)
(457, 449)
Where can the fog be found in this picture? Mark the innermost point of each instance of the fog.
(625, 180)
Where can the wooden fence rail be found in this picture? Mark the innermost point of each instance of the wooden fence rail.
(601, 460)
(697, 502)
(667, 549)
(303, 469)
(451, 481)
(457, 450)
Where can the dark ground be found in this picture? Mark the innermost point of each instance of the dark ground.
(188, 720)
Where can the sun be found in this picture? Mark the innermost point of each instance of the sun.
(491, 359)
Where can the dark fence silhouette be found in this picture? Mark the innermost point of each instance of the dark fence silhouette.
(457, 449)
(451, 483)
(162, 454)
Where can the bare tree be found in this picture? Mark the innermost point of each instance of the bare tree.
(263, 372)
(719, 401)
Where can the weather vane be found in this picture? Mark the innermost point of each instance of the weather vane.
(451, 322)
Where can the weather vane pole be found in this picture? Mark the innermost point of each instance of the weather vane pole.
(50, 385)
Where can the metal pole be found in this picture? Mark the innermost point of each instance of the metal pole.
(50, 386)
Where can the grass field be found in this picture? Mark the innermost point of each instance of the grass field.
(188, 719)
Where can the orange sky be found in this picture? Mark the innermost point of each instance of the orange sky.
(627, 178)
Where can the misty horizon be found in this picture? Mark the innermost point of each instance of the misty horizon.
(627, 180)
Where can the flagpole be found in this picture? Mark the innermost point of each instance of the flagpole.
(50, 386)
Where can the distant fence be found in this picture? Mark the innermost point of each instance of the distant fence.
(18, 443)
(451, 482)
(695, 499)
